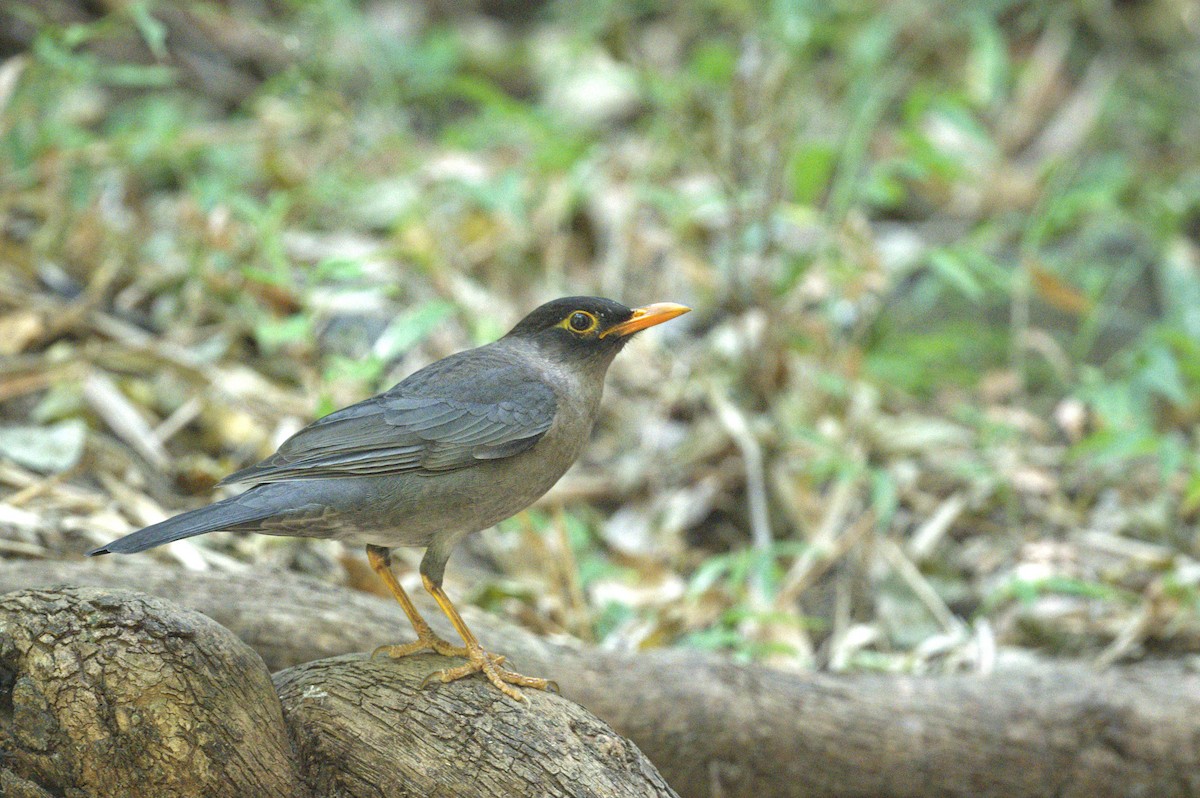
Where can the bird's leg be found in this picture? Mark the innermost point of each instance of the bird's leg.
(479, 661)
(427, 639)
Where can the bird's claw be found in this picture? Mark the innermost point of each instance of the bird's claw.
(480, 661)
(424, 643)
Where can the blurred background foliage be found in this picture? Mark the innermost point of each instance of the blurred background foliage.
(937, 406)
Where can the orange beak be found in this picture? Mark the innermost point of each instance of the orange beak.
(647, 317)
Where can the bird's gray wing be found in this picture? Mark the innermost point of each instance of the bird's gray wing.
(441, 419)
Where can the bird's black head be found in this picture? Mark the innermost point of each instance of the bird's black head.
(589, 328)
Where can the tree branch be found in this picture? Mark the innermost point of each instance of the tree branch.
(716, 729)
(362, 724)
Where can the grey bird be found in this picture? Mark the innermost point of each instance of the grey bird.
(454, 448)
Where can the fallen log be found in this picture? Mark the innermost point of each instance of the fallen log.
(111, 693)
(721, 730)
(115, 693)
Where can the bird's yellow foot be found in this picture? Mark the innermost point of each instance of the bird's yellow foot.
(424, 642)
(480, 661)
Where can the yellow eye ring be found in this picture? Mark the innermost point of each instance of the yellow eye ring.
(580, 321)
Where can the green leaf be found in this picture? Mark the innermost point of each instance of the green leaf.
(362, 370)
(410, 328)
(956, 271)
(988, 69)
(153, 32)
(708, 574)
(809, 172)
(1191, 495)
(713, 62)
(338, 270)
(274, 334)
(1161, 375)
(884, 497)
(137, 76)
(1180, 293)
(611, 616)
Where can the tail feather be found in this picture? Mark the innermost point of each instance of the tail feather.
(222, 515)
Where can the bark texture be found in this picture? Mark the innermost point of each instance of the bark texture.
(115, 693)
(719, 730)
(460, 739)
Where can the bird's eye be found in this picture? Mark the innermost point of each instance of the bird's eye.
(581, 321)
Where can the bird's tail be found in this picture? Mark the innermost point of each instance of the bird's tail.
(223, 515)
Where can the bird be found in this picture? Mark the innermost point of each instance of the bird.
(452, 449)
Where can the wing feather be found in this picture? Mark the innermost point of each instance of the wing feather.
(442, 418)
